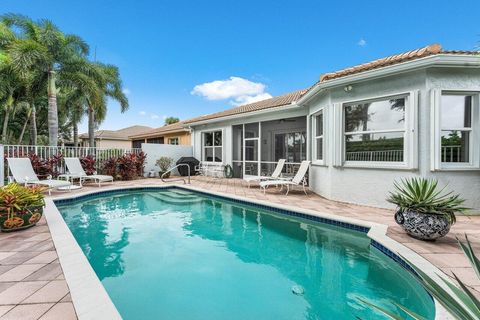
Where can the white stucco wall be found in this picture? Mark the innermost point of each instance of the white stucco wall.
(370, 186)
(155, 151)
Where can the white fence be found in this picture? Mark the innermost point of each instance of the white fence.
(46, 152)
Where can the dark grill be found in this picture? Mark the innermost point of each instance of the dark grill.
(191, 161)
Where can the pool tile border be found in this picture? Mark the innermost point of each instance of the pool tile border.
(376, 233)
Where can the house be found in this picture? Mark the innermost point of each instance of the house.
(113, 138)
(414, 114)
(175, 134)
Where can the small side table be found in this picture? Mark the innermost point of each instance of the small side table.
(71, 178)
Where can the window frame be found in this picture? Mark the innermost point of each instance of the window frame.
(410, 156)
(213, 146)
(174, 139)
(315, 160)
(437, 128)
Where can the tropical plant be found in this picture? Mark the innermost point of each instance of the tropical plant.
(460, 302)
(171, 120)
(110, 166)
(19, 205)
(140, 162)
(164, 163)
(423, 196)
(127, 167)
(88, 164)
(46, 167)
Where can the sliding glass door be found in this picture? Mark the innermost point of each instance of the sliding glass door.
(251, 149)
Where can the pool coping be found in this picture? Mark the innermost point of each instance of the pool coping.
(92, 301)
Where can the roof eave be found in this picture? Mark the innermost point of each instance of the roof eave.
(158, 134)
(290, 106)
(439, 60)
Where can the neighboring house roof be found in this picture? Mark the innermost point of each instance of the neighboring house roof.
(177, 127)
(432, 49)
(283, 100)
(121, 134)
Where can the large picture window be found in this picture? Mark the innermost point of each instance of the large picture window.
(212, 146)
(456, 127)
(374, 131)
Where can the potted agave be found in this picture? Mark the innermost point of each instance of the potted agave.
(20, 207)
(423, 210)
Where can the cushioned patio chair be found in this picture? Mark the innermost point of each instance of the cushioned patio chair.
(22, 172)
(75, 169)
(275, 175)
(298, 179)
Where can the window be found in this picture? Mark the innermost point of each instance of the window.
(173, 141)
(212, 146)
(375, 130)
(318, 139)
(456, 127)
(137, 143)
(158, 140)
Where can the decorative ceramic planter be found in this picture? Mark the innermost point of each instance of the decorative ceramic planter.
(423, 226)
(160, 173)
(21, 219)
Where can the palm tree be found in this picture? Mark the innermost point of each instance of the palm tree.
(171, 120)
(45, 49)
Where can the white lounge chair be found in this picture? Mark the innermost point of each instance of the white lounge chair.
(275, 175)
(299, 179)
(75, 169)
(22, 172)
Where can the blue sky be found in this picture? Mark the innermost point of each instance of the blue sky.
(188, 58)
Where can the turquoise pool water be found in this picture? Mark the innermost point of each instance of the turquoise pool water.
(175, 254)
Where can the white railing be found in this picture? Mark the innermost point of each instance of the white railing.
(384, 156)
(451, 153)
(46, 152)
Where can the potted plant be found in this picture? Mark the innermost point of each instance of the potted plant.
(20, 207)
(423, 210)
(164, 163)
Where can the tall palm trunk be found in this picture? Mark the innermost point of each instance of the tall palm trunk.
(8, 109)
(5, 124)
(33, 122)
(27, 118)
(75, 134)
(52, 110)
(91, 127)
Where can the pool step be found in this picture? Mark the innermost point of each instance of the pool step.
(176, 195)
(181, 192)
(176, 201)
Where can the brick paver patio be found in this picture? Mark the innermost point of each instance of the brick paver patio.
(32, 285)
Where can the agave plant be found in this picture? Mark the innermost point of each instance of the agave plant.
(461, 303)
(423, 196)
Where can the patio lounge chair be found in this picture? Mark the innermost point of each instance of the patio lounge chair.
(275, 175)
(298, 179)
(75, 169)
(22, 172)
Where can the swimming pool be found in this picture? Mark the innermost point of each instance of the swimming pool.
(177, 254)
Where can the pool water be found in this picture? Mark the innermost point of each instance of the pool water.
(176, 254)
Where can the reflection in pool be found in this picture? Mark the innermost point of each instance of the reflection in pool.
(175, 254)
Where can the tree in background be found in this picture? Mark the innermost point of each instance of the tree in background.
(171, 120)
(47, 81)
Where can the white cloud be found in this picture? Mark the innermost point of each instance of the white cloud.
(362, 42)
(250, 99)
(126, 91)
(239, 90)
(142, 113)
(154, 116)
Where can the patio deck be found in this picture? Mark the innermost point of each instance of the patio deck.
(32, 285)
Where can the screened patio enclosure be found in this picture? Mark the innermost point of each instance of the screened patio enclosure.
(258, 146)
